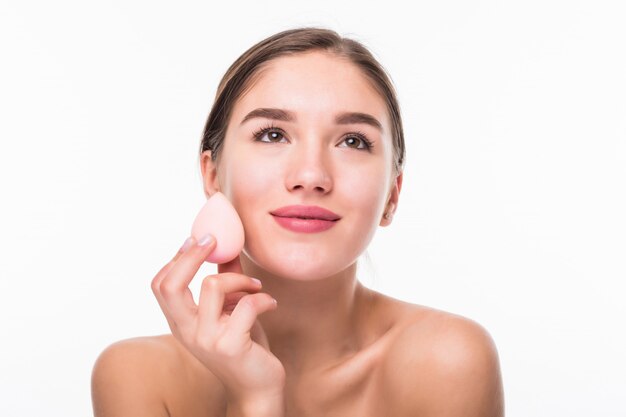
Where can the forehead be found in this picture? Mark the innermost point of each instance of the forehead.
(314, 85)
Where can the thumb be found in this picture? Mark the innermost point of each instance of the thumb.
(257, 334)
(230, 266)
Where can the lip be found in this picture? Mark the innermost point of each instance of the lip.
(305, 219)
(306, 212)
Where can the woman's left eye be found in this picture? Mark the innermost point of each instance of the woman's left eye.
(359, 140)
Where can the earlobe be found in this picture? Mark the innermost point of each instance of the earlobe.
(209, 174)
(388, 214)
(392, 202)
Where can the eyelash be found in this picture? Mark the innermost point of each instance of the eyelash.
(359, 135)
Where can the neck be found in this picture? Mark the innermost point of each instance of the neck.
(317, 321)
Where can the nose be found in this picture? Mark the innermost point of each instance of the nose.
(309, 170)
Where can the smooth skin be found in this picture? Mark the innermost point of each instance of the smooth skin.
(331, 346)
(224, 341)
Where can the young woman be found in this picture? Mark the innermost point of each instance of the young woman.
(305, 124)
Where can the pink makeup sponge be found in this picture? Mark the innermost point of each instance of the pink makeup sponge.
(219, 218)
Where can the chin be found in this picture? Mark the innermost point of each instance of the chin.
(298, 266)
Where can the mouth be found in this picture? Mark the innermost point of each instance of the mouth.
(305, 219)
(306, 213)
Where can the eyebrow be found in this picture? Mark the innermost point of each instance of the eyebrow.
(345, 118)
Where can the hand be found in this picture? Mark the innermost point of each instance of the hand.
(229, 341)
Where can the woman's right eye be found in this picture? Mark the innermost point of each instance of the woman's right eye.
(274, 135)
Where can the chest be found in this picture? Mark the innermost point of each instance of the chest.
(353, 390)
(358, 387)
(352, 393)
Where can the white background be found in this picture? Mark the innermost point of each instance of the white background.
(511, 212)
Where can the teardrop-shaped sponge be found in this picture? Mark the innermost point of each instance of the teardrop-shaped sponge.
(219, 218)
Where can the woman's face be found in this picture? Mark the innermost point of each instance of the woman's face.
(309, 160)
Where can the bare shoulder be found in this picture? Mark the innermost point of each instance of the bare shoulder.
(144, 376)
(443, 364)
(130, 377)
(124, 379)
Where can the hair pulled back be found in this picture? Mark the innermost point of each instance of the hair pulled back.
(243, 72)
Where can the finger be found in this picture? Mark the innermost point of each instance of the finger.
(246, 312)
(189, 242)
(174, 288)
(163, 307)
(214, 291)
(156, 281)
(230, 266)
(257, 334)
(232, 299)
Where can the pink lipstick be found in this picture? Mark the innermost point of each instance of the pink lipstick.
(305, 219)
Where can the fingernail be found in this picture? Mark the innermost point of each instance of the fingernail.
(205, 241)
(256, 281)
(187, 244)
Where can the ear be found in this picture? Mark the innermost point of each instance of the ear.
(392, 201)
(209, 174)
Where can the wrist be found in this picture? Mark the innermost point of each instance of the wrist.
(271, 406)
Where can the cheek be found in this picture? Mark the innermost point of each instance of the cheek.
(248, 185)
(246, 175)
(366, 189)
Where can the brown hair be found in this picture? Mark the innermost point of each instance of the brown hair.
(242, 73)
